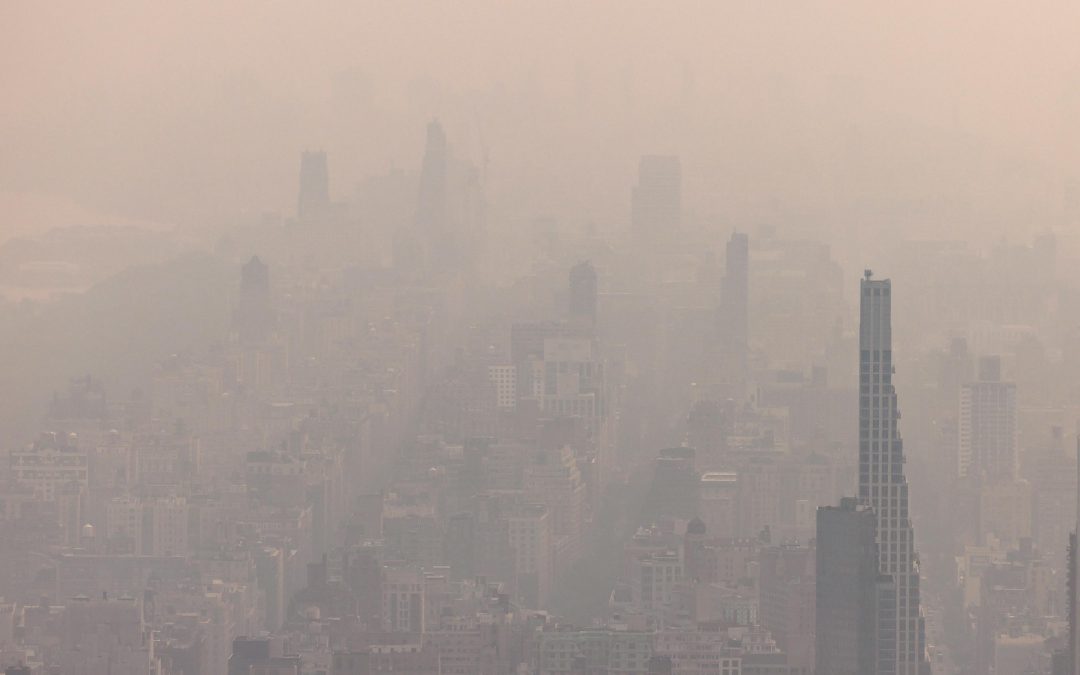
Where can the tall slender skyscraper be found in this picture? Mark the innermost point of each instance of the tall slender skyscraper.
(735, 295)
(882, 485)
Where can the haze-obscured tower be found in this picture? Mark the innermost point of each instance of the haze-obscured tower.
(447, 234)
(988, 430)
(735, 295)
(656, 201)
(253, 317)
(583, 293)
(431, 202)
(882, 485)
(314, 199)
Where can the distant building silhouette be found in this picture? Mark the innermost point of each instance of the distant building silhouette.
(431, 203)
(988, 429)
(255, 280)
(735, 306)
(446, 234)
(253, 318)
(583, 293)
(735, 295)
(314, 199)
(656, 201)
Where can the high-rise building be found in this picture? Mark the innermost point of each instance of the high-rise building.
(988, 431)
(447, 232)
(656, 203)
(253, 317)
(583, 293)
(718, 502)
(314, 199)
(882, 484)
(403, 599)
(845, 587)
(675, 484)
(732, 319)
(431, 204)
(530, 532)
(552, 478)
(504, 377)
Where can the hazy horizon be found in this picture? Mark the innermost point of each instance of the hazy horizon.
(558, 338)
(959, 114)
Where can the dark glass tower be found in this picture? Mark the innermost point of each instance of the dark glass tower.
(846, 589)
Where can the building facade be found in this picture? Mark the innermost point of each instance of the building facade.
(882, 484)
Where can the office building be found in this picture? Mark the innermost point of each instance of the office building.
(314, 199)
(735, 296)
(786, 595)
(403, 599)
(530, 533)
(846, 579)
(656, 202)
(431, 203)
(552, 478)
(583, 293)
(49, 463)
(988, 431)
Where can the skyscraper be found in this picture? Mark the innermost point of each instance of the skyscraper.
(431, 203)
(656, 202)
(583, 293)
(845, 589)
(987, 438)
(447, 234)
(253, 317)
(735, 296)
(786, 595)
(314, 199)
(882, 485)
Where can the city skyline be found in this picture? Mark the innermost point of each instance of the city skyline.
(499, 339)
